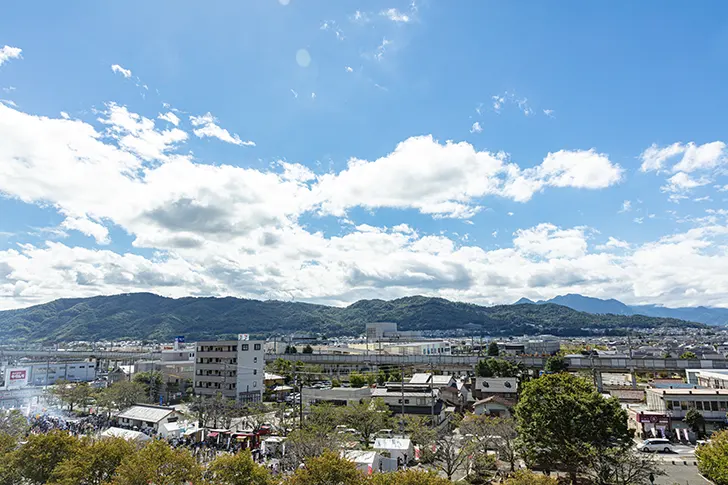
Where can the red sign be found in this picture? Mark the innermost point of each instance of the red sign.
(18, 375)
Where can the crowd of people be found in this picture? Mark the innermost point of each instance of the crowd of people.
(88, 425)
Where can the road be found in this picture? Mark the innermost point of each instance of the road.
(680, 475)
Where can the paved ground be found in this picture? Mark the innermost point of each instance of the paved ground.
(680, 475)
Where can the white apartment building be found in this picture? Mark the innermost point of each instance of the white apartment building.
(234, 368)
(675, 403)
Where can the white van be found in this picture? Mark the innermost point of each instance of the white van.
(656, 444)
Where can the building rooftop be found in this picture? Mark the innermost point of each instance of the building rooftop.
(392, 443)
(689, 392)
(146, 412)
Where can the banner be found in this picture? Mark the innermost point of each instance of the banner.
(16, 377)
(243, 336)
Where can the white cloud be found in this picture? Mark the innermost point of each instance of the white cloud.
(170, 117)
(348, 69)
(548, 241)
(7, 52)
(88, 227)
(120, 70)
(613, 243)
(294, 93)
(497, 102)
(65, 115)
(381, 49)
(206, 126)
(9, 102)
(681, 182)
(549, 113)
(138, 135)
(476, 128)
(395, 15)
(227, 230)
(447, 180)
(695, 157)
(639, 220)
(626, 206)
(494, 233)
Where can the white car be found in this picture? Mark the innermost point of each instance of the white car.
(656, 444)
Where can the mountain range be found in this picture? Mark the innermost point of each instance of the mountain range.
(147, 316)
(707, 315)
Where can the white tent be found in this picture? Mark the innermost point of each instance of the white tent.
(127, 434)
(398, 448)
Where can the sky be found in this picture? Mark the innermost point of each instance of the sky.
(329, 152)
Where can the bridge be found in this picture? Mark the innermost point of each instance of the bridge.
(468, 362)
(80, 354)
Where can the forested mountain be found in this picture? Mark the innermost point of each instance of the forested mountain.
(148, 316)
(710, 316)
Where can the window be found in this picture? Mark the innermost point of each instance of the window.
(668, 404)
(699, 405)
(255, 372)
(256, 346)
(246, 347)
(255, 360)
(714, 405)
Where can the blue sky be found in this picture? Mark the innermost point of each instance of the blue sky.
(331, 151)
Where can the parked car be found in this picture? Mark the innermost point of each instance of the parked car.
(656, 445)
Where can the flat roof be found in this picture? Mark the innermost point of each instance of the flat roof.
(149, 413)
(689, 392)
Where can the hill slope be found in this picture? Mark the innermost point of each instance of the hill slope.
(148, 316)
(709, 316)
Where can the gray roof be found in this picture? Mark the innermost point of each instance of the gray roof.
(152, 414)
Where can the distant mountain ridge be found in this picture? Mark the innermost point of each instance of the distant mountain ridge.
(140, 316)
(597, 306)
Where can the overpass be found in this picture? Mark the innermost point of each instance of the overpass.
(80, 354)
(468, 362)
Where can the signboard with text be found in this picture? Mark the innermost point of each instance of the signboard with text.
(16, 377)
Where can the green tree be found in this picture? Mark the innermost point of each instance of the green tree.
(381, 377)
(688, 355)
(308, 349)
(152, 382)
(493, 350)
(238, 469)
(328, 469)
(13, 423)
(8, 472)
(525, 477)
(556, 363)
(713, 458)
(696, 421)
(368, 417)
(125, 394)
(482, 469)
(395, 375)
(498, 368)
(451, 454)
(409, 477)
(563, 422)
(38, 457)
(72, 394)
(157, 463)
(290, 349)
(357, 380)
(93, 463)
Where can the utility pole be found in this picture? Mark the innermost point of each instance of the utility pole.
(432, 396)
(401, 382)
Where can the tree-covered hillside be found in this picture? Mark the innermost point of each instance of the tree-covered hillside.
(148, 316)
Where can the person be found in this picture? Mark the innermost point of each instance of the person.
(652, 478)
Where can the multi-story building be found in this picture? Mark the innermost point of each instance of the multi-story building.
(675, 403)
(234, 368)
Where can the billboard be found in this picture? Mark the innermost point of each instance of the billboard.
(16, 377)
(243, 336)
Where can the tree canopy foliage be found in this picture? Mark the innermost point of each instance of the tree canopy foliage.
(563, 422)
(713, 458)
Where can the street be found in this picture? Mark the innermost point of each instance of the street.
(680, 475)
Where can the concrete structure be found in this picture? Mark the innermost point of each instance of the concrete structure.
(47, 373)
(144, 416)
(234, 368)
(340, 396)
(543, 346)
(419, 399)
(675, 403)
(387, 331)
(716, 379)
